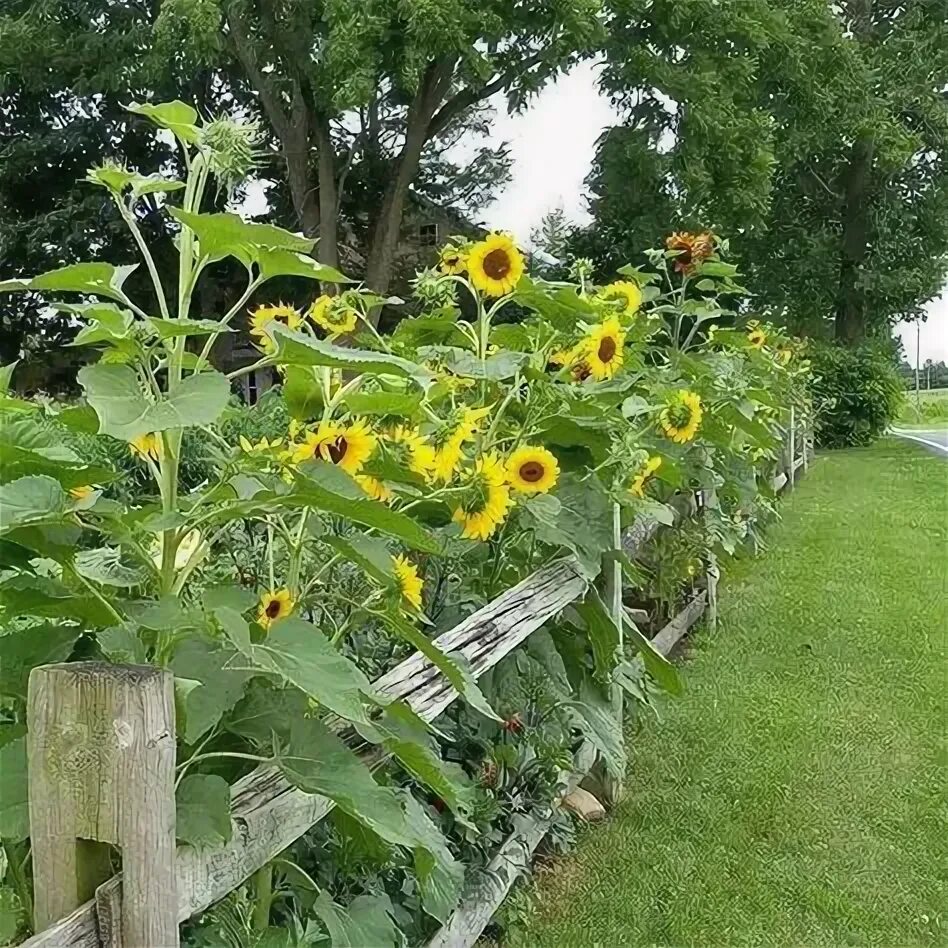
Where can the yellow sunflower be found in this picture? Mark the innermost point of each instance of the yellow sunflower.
(495, 265)
(451, 260)
(651, 465)
(757, 338)
(410, 584)
(375, 488)
(784, 355)
(333, 314)
(450, 441)
(81, 492)
(347, 446)
(532, 470)
(681, 417)
(147, 446)
(488, 500)
(419, 455)
(626, 292)
(692, 249)
(276, 604)
(263, 318)
(602, 349)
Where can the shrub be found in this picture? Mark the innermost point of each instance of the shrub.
(856, 393)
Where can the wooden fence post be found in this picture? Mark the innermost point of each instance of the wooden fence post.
(791, 473)
(712, 571)
(101, 771)
(612, 787)
(806, 445)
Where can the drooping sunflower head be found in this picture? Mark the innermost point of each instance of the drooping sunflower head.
(147, 446)
(602, 349)
(412, 449)
(756, 338)
(263, 319)
(532, 470)
(275, 604)
(81, 492)
(486, 500)
(692, 249)
(651, 464)
(449, 441)
(681, 417)
(495, 265)
(334, 314)
(624, 292)
(452, 260)
(375, 488)
(410, 584)
(346, 446)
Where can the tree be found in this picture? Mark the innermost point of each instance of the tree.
(374, 91)
(814, 134)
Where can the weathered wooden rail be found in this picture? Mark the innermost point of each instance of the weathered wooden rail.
(269, 814)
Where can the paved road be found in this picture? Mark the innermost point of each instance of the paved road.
(936, 440)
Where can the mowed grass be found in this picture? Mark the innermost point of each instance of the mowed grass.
(795, 795)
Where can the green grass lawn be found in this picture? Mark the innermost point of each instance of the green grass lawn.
(929, 411)
(795, 794)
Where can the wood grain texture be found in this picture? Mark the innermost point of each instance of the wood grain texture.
(268, 814)
(101, 771)
(669, 637)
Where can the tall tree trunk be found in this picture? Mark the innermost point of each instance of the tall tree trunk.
(850, 299)
(327, 250)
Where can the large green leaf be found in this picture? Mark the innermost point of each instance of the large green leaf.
(177, 116)
(602, 632)
(660, 668)
(275, 262)
(56, 541)
(104, 565)
(6, 376)
(173, 328)
(595, 715)
(106, 323)
(383, 403)
(221, 686)
(440, 875)
(303, 391)
(370, 554)
(328, 488)
(39, 596)
(503, 365)
(203, 810)
(365, 921)
(34, 499)
(300, 653)
(96, 279)
(116, 394)
(23, 649)
(14, 799)
(297, 348)
(227, 235)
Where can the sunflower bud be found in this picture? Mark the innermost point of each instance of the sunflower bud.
(231, 149)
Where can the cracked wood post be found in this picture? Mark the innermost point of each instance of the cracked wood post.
(101, 771)
(612, 786)
(712, 570)
(791, 472)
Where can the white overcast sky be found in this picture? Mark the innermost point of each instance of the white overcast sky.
(552, 145)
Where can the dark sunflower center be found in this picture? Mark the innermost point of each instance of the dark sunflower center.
(497, 264)
(451, 260)
(580, 372)
(531, 472)
(607, 349)
(680, 416)
(273, 609)
(337, 450)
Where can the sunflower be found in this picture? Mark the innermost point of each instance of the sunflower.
(532, 470)
(419, 455)
(651, 465)
(258, 447)
(602, 349)
(757, 338)
(495, 265)
(451, 260)
(556, 360)
(693, 249)
(626, 292)
(333, 314)
(263, 318)
(347, 446)
(450, 442)
(81, 492)
(375, 488)
(784, 355)
(681, 416)
(409, 582)
(147, 446)
(487, 502)
(274, 605)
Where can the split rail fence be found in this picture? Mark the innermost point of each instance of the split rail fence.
(117, 722)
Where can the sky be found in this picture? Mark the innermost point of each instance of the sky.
(553, 144)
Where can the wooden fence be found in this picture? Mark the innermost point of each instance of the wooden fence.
(77, 906)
